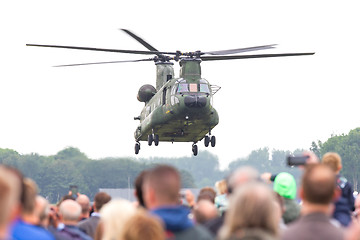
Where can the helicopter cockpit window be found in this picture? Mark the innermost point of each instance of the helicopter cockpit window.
(204, 88)
(183, 87)
(193, 87)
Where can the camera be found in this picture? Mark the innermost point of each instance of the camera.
(296, 160)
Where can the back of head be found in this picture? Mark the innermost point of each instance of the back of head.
(318, 184)
(138, 187)
(143, 226)
(9, 194)
(285, 185)
(70, 211)
(221, 187)
(30, 193)
(100, 199)
(207, 193)
(113, 216)
(241, 176)
(84, 202)
(165, 182)
(333, 160)
(251, 207)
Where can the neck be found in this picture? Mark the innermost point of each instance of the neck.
(308, 208)
(30, 219)
(3, 232)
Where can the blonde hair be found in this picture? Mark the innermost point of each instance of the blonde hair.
(333, 160)
(251, 207)
(143, 226)
(113, 216)
(221, 186)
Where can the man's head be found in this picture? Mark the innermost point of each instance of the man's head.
(138, 187)
(318, 184)
(30, 193)
(100, 199)
(69, 211)
(9, 197)
(240, 176)
(161, 186)
(84, 202)
(333, 160)
(42, 210)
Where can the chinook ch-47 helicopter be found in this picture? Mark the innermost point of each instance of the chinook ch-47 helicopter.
(180, 108)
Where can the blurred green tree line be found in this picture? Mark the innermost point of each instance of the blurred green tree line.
(54, 174)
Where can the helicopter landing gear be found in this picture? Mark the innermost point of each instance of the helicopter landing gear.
(156, 139)
(153, 138)
(206, 141)
(209, 140)
(137, 147)
(150, 139)
(195, 149)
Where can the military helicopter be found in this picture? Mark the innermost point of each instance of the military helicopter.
(180, 108)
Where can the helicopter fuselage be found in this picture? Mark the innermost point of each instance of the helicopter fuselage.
(181, 110)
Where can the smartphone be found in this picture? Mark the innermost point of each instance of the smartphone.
(296, 160)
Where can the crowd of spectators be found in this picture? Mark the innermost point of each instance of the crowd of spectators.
(244, 205)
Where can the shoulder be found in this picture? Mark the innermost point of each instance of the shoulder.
(196, 232)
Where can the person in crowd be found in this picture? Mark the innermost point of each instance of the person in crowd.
(236, 179)
(161, 194)
(84, 202)
(138, 188)
(252, 214)
(317, 192)
(69, 214)
(27, 226)
(207, 193)
(344, 205)
(113, 217)
(285, 186)
(221, 200)
(89, 225)
(42, 210)
(204, 211)
(9, 200)
(143, 226)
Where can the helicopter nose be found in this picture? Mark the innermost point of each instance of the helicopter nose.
(195, 101)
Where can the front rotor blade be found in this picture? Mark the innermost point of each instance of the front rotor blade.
(126, 61)
(240, 50)
(140, 40)
(214, 58)
(102, 49)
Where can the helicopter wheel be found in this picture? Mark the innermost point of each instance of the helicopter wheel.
(206, 141)
(195, 149)
(213, 141)
(150, 139)
(137, 147)
(156, 139)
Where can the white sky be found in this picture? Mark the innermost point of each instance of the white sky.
(282, 103)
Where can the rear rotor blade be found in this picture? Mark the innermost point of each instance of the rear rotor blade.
(214, 58)
(240, 50)
(102, 49)
(126, 61)
(140, 40)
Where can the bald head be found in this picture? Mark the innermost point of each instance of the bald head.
(242, 175)
(84, 202)
(70, 212)
(318, 184)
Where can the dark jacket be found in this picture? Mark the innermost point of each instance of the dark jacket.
(89, 225)
(178, 226)
(345, 204)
